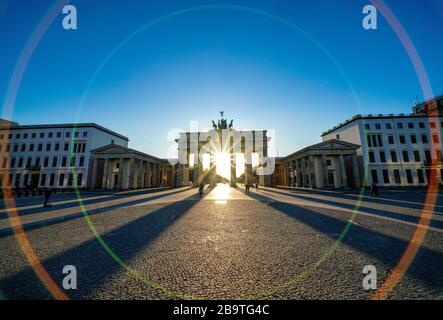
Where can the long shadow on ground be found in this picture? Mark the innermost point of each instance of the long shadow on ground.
(94, 265)
(426, 267)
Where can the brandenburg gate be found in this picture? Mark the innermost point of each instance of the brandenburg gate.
(224, 154)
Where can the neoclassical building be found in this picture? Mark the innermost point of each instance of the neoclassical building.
(118, 167)
(224, 153)
(329, 164)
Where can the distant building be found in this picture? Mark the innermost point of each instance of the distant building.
(50, 155)
(397, 150)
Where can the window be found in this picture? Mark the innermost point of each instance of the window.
(367, 126)
(81, 162)
(410, 125)
(374, 176)
(385, 176)
(70, 179)
(432, 124)
(371, 157)
(66, 148)
(64, 159)
(31, 147)
(388, 126)
(40, 147)
(25, 136)
(46, 162)
(48, 147)
(397, 176)
(20, 162)
(405, 155)
(2, 136)
(10, 136)
(424, 138)
(380, 142)
(76, 134)
(79, 179)
(85, 133)
(421, 178)
(15, 147)
(51, 179)
(413, 138)
(417, 156)
(391, 139)
(23, 149)
(438, 155)
(42, 134)
(377, 126)
(421, 125)
(61, 179)
(394, 156)
(43, 180)
(402, 139)
(28, 162)
(57, 147)
(83, 147)
(37, 161)
(34, 135)
(400, 125)
(25, 179)
(8, 147)
(12, 165)
(409, 176)
(67, 134)
(50, 134)
(435, 138)
(59, 134)
(4, 163)
(112, 141)
(54, 162)
(72, 162)
(382, 156)
(428, 156)
(17, 136)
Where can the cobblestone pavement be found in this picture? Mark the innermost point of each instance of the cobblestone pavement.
(270, 244)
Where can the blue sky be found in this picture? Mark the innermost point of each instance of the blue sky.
(262, 73)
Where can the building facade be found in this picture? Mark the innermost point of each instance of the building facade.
(118, 167)
(53, 155)
(329, 164)
(397, 150)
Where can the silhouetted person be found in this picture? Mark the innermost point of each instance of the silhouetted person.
(17, 191)
(47, 196)
(374, 190)
(256, 187)
(200, 189)
(247, 188)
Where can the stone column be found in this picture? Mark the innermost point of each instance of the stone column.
(324, 164)
(233, 171)
(110, 182)
(94, 174)
(104, 183)
(298, 173)
(344, 178)
(356, 171)
(143, 174)
(311, 172)
(121, 172)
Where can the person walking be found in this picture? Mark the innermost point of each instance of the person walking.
(47, 196)
(247, 188)
(374, 190)
(200, 189)
(256, 187)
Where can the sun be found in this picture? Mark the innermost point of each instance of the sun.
(223, 164)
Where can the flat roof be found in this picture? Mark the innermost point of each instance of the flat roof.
(379, 116)
(17, 126)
